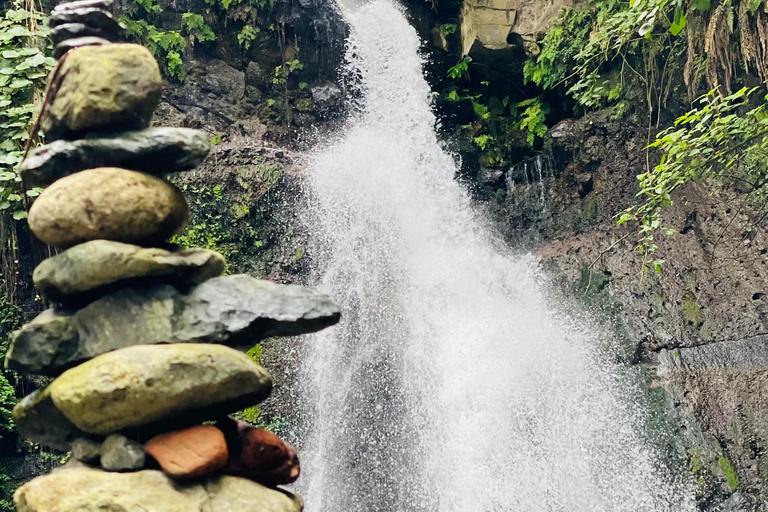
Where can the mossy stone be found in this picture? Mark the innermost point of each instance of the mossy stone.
(141, 385)
(112, 87)
(98, 263)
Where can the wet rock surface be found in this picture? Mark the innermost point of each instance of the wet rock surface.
(92, 265)
(112, 87)
(154, 150)
(234, 310)
(80, 489)
(108, 203)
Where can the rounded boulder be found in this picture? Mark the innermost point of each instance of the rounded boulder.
(110, 87)
(108, 203)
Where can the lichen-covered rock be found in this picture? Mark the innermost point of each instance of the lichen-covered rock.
(38, 420)
(99, 263)
(154, 151)
(112, 87)
(108, 203)
(259, 455)
(92, 490)
(118, 453)
(234, 310)
(138, 386)
(189, 453)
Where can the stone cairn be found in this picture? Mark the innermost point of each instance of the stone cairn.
(143, 337)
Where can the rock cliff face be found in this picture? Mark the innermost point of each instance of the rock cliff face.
(698, 326)
(506, 25)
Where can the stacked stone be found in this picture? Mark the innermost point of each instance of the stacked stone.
(143, 337)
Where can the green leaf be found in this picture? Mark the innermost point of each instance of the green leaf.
(703, 5)
(19, 83)
(679, 23)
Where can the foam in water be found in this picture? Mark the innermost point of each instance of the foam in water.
(451, 384)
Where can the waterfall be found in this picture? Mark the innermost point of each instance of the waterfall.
(453, 382)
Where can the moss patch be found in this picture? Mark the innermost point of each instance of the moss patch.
(729, 473)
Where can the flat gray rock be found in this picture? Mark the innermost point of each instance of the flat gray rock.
(233, 310)
(154, 151)
(92, 265)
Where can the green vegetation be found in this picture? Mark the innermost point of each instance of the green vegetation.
(247, 36)
(604, 53)
(24, 67)
(196, 28)
(254, 414)
(169, 46)
(207, 228)
(729, 473)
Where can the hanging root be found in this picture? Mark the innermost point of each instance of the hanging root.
(717, 46)
(694, 70)
(762, 43)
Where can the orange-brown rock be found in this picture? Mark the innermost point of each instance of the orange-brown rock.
(259, 455)
(189, 453)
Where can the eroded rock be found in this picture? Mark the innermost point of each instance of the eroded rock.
(98, 263)
(113, 87)
(141, 385)
(86, 489)
(189, 453)
(234, 310)
(108, 203)
(154, 151)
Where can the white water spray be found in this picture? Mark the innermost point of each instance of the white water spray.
(451, 384)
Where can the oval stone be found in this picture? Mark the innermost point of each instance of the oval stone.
(110, 87)
(108, 203)
(142, 385)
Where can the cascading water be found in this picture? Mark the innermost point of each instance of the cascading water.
(451, 384)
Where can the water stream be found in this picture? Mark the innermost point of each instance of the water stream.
(452, 384)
